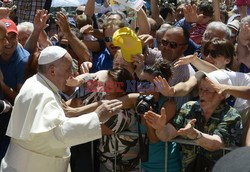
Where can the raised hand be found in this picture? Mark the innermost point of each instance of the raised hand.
(244, 34)
(188, 130)
(186, 60)
(163, 86)
(4, 12)
(190, 13)
(87, 29)
(40, 20)
(85, 67)
(156, 121)
(62, 21)
(146, 39)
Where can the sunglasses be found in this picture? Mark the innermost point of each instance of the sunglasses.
(108, 39)
(172, 45)
(79, 12)
(213, 53)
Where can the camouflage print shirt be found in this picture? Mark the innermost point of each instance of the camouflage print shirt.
(225, 122)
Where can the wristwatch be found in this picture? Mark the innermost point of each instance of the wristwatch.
(199, 135)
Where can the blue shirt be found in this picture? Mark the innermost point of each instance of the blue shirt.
(14, 70)
(103, 61)
(192, 46)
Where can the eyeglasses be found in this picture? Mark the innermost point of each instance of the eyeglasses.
(172, 45)
(213, 53)
(108, 39)
(206, 91)
(79, 12)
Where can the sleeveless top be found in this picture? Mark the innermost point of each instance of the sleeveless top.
(156, 158)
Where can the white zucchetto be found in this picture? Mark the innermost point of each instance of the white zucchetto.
(51, 54)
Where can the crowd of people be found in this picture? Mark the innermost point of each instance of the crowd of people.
(105, 90)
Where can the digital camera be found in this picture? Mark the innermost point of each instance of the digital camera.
(144, 102)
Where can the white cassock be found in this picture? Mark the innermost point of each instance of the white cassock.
(40, 133)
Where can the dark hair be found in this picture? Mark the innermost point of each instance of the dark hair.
(166, 9)
(119, 13)
(223, 47)
(160, 68)
(120, 75)
(186, 34)
(206, 8)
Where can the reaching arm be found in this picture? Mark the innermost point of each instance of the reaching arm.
(180, 89)
(171, 106)
(216, 7)
(236, 91)
(156, 12)
(129, 100)
(77, 45)
(197, 62)
(144, 27)
(209, 142)
(90, 8)
(164, 132)
(40, 20)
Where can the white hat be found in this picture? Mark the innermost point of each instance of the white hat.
(51, 54)
(217, 76)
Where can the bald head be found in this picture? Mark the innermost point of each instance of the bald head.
(3, 32)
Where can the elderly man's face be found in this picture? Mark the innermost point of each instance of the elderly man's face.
(23, 37)
(173, 44)
(212, 33)
(63, 71)
(209, 98)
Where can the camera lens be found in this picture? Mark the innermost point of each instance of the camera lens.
(142, 107)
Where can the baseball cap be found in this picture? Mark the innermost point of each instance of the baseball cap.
(51, 54)
(10, 25)
(217, 76)
(127, 40)
(236, 160)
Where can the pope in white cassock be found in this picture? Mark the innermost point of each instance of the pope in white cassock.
(40, 132)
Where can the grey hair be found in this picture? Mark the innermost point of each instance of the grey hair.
(246, 19)
(43, 68)
(25, 27)
(164, 27)
(217, 25)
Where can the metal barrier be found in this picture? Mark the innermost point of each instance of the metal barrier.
(177, 140)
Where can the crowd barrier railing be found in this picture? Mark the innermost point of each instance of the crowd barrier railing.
(177, 140)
